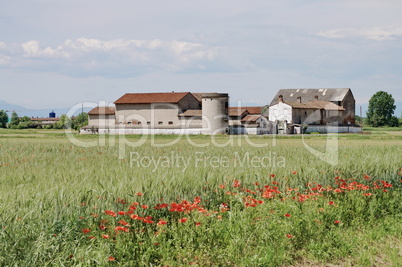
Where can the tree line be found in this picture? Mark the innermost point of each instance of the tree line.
(26, 122)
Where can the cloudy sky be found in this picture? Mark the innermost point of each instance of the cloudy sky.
(58, 53)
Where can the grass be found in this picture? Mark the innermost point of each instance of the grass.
(49, 189)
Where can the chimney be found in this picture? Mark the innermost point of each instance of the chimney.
(316, 97)
(280, 98)
(299, 99)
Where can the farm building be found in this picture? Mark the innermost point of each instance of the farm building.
(321, 108)
(165, 113)
(247, 120)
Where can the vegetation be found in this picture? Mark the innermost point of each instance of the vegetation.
(381, 109)
(3, 119)
(25, 122)
(79, 121)
(69, 205)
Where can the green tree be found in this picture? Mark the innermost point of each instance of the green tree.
(79, 121)
(381, 108)
(3, 119)
(15, 120)
(393, 122)
(63, 123)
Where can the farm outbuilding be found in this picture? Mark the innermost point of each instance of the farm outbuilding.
(319, 107)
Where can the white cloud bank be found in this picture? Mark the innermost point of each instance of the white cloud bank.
(373, 33)
(90, 57)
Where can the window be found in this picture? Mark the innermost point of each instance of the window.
(226, 104)
(129, 122)
(138, 122)
(160, 123)
(170, 122)
(148, 122)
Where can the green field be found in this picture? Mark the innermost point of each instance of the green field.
(226, 201)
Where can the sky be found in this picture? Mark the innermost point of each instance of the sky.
(57, 53)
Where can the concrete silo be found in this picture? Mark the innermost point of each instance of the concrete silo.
(215, 113)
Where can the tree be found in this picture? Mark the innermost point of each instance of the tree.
(80, 120)
(381, 108)
(63, 123)
(393, 122)
(3, 119)
(15, 120)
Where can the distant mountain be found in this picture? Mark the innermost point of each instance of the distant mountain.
(7, 106)
(35, 113)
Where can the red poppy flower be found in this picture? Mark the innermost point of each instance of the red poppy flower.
(122, 222)
(162, 222)
(183, 220)
(121, 228)
(86, 230)
(287, 215)
(111, 258)
(197, 224)
(289, 236)
(337, 222)
(236, 183)
(110, 213)
(105, 236)
(331, 203)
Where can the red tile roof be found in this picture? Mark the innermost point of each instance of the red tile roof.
(147, 98)
(45, 119)
(254, 110)
(191, 113)
(198, 96)
(102, 111)
(327, 105)
(236, 111)
(251, 118)
(316, 104)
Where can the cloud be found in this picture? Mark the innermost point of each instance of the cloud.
(89, 57)
(372, 33)
(4, 59)
(32, 49)
(3, 46)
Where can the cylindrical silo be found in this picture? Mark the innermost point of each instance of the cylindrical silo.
(215, 113)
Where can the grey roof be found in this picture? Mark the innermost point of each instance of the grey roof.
(324, 94)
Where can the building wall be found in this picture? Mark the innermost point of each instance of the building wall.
(283, 111)
(349, 104)
(101, 120)
(151, 115)
(280, 112)
(307, 116)
(190, 122)
(189, 102)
